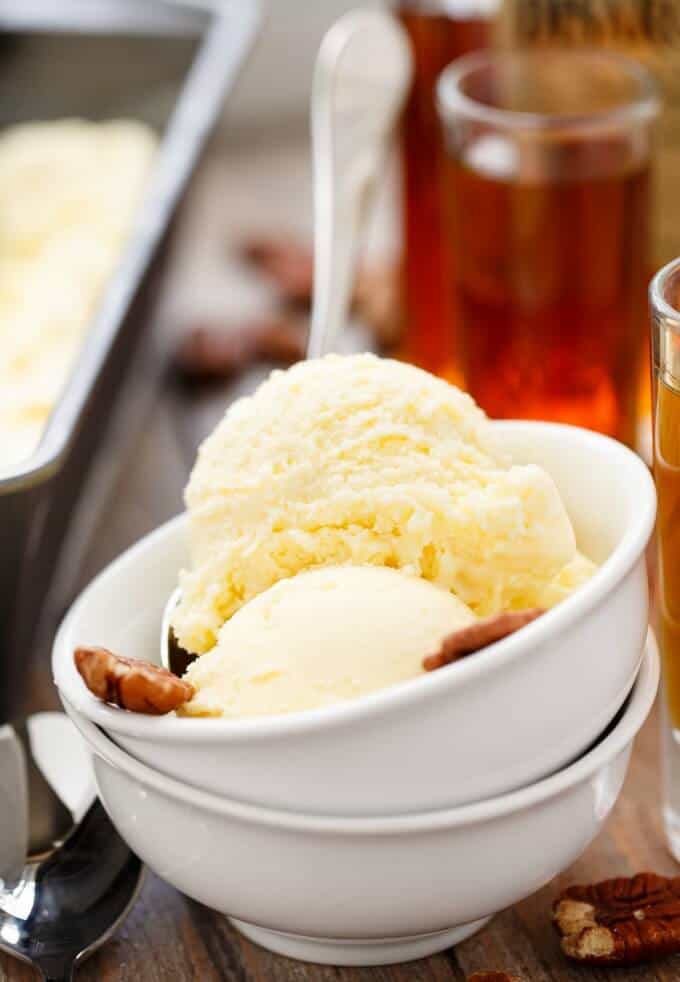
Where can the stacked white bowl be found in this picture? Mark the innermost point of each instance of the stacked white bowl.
(392, 826)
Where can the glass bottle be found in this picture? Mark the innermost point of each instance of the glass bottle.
(440, 31)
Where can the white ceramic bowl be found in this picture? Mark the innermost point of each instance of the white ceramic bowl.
(490, 723)
(366, 890)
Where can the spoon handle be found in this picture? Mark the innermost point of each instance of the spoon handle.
(360, 79)
(13, 805)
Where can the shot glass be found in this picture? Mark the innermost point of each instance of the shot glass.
(665, 315)
(548, 186)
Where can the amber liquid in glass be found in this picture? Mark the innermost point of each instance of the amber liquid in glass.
(429, 337)
(667, 476)
(551, 281)
(648, 31)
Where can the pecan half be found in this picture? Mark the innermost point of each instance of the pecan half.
(493, 977)
(620, 921)
(211, 352)
(287, 263)
(476, 636)
(129, 683)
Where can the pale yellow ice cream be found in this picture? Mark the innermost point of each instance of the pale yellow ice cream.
(323, 637)
(68, 194)
(366, 461)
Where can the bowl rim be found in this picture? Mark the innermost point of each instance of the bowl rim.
(604, 752)
(172, 729)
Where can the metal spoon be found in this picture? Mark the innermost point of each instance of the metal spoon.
(77, 884)
(360, 80)
(173, 656)
(361, 76)
(64, 906)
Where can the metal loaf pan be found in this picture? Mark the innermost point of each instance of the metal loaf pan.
(170, 64)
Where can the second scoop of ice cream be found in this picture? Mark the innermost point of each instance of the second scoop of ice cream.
(322, 637)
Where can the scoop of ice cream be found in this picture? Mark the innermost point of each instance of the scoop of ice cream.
(69, 190)
(567, 580)
(361, 460)
(322, 637)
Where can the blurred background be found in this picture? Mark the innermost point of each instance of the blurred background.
(273, 91)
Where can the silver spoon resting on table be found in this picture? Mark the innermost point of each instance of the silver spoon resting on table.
(361, 77)
(67, 879)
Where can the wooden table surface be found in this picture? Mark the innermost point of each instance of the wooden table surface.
(167, 936)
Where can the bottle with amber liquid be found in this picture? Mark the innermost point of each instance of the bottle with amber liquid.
(648, 31)
(439, 31)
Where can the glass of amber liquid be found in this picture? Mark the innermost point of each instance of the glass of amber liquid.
(665, 311)
(548, 187)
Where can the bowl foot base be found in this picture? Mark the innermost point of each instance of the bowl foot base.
(345, 951)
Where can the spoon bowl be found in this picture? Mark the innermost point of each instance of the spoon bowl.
(62, 908)
(71, 880)
(173, 656)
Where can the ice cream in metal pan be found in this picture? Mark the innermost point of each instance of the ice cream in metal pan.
(69, 190)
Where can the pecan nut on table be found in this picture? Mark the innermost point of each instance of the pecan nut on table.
(287, 263)
(208, 351)
(620, 921)
(289, 266)
(214, 351)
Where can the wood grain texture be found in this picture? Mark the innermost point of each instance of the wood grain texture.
(167, 937)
